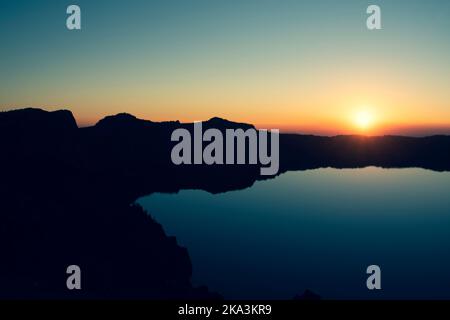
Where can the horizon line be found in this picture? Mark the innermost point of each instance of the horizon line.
(400, 130)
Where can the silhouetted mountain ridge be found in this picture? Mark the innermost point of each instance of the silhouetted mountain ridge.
(37, 120)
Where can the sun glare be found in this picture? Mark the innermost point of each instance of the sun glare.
(364, 120)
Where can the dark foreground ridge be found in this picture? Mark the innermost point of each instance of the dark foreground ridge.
(65, 196)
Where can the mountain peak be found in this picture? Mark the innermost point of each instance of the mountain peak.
(224, 123)
(121, 120)
(38, 120)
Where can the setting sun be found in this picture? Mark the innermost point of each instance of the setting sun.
(364, 120)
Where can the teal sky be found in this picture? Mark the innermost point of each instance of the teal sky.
(301, 65)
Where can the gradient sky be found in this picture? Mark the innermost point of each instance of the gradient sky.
(307, 66)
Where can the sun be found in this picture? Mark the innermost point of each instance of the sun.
(364, 119)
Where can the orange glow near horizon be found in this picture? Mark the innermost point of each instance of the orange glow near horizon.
(361, 120)
(330, 99)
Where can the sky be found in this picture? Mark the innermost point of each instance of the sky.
(302, 66)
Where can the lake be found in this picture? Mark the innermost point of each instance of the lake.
(318, 230)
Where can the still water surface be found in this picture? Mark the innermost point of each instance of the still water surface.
(317, 230)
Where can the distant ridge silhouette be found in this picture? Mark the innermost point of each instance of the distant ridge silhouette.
(66, 195)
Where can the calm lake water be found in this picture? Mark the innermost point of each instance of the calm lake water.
(317, 230)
